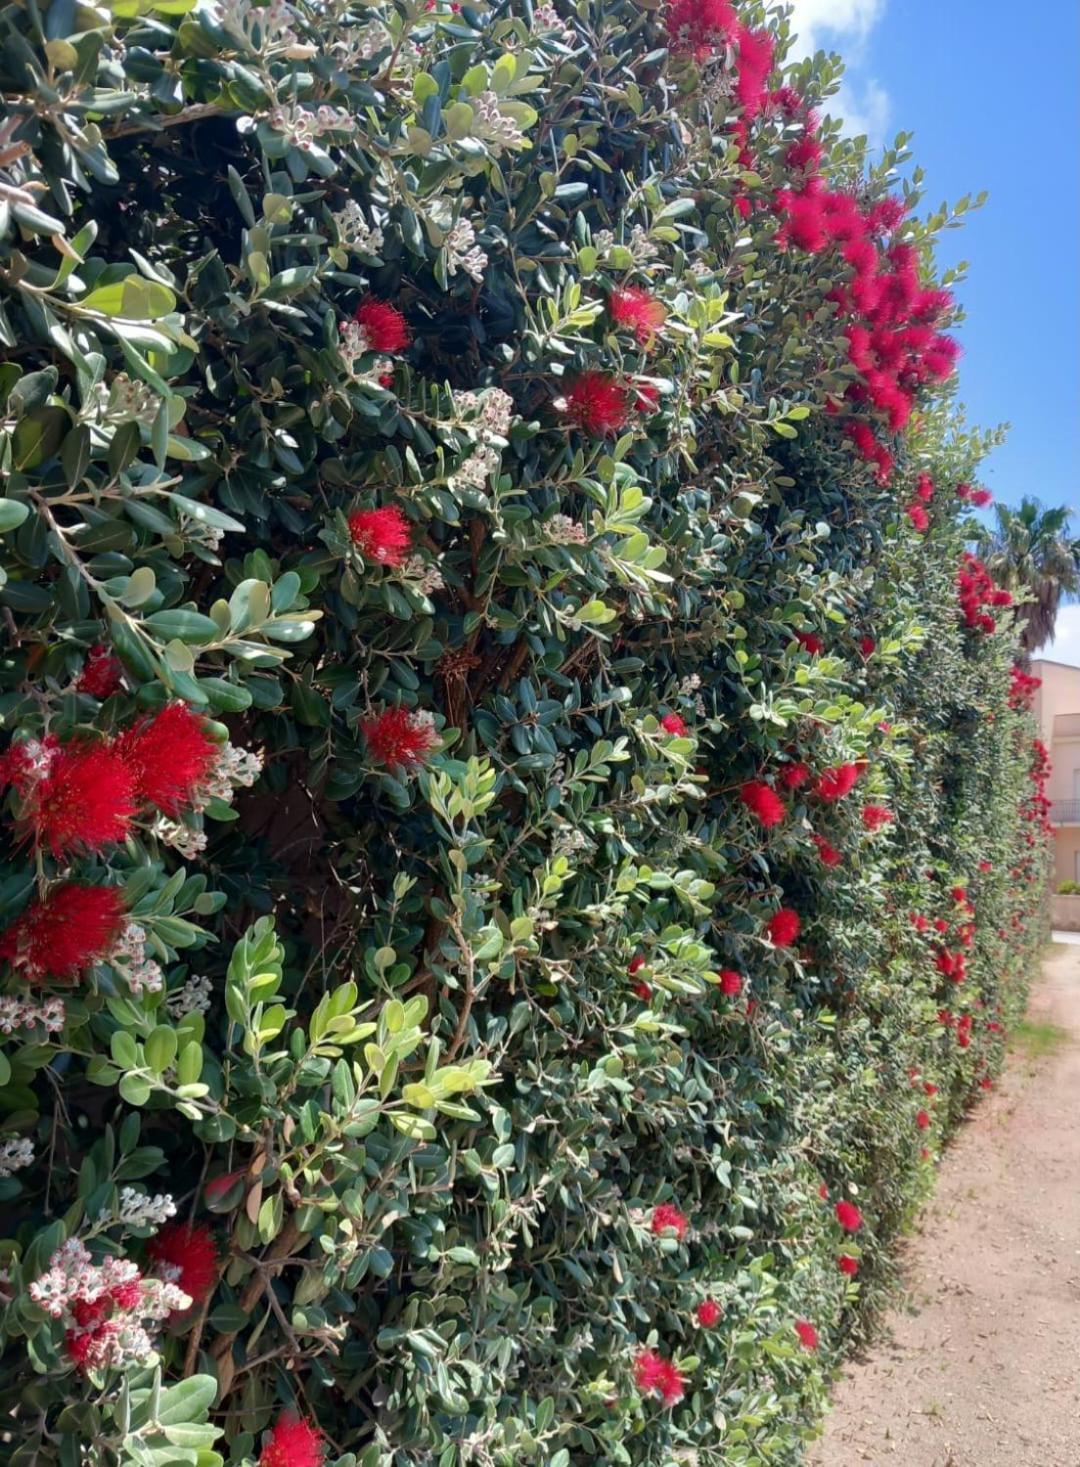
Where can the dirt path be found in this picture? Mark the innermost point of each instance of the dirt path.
(982, 1368)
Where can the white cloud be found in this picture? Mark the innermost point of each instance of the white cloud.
(820, 23)
(864, 106)
(1066, 644)
(846, 26)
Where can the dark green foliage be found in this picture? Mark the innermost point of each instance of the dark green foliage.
(434, 1110)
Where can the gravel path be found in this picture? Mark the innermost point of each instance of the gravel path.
(982, 1366)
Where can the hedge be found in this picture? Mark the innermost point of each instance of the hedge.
(523, 830)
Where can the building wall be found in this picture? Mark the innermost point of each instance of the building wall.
(1067, 848)
(1059, 698)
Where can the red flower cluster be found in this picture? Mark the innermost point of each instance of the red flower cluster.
(892, 338)
(385, 328)
(975, 591)
(708, 1313)
(810, 642)
(980, 498)
(794, 776)
(185, 1254)
(763, 801)
(169, 755)
(667, 1217)
(848, 1265)
(730, 983)
(827, 852)
(75, 798)
(922, 1120)
(383, 535)
(924, 489)
(920, 520)
(867, 646)
(1022, 689)
(874, 817)
(834, 784)
(849, 1217)
(784, 927)
(101, 673)
(637, 311)
(598, 404)
(672, 723)
(400, 738)
(808, 1335)
(699, 27)
(655, 1374)
(59, 935)
(293, 1442)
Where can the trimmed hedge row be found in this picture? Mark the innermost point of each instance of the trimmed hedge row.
(525, 835)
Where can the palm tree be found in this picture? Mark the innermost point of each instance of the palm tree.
(1032, 553)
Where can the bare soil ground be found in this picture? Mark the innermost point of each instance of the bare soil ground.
(980, 1364)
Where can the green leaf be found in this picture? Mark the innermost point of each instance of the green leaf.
(12, 514)
(132, 299)
(188, 626)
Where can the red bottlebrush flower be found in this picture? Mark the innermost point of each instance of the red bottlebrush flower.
(643, 991)
(294, 1441)
(637, 311)
(667, 1216)
(867, 646)
(848, 1265)
(61, 935)
(383, 325)
(636, 964)
(924, 1153)
(793, 776)
(185, 1254)
(925, 488)
(827, 852)
(597, 404)
(981, 498)
(671, 723)
(849, 1217)
(708, 1313)
(743, 206)
(754, 64)
(940, 924)
(763, 801)
(834, 784)
(101, 673)
(823, 1192)
(400, 738)
(671, 1383)
(383, 535)
(945, 1018)
(985, 866)
(920, 520)
(730, 983)
(963, 491)
(810, 642)
(919, 922)
(784, 927)
(76, 797)
(874, 817)
(922, 1120)
(646, 397)
(697, 27)
(805, 222)
(169, 755)
(929, 1088)
(959, 895)
(808, 1335)
(986, 1083)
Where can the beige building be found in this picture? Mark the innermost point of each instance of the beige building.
(1057, 709)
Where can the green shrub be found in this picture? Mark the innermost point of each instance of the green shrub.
(418, 1027)
(1068, 888)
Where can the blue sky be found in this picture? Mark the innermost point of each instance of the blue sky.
(991, 92)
